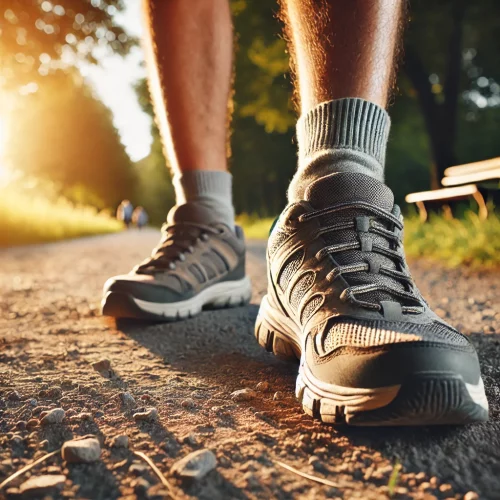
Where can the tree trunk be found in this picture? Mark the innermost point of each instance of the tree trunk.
(440, 118)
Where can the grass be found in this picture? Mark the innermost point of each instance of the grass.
(28, 219)
(465, 241)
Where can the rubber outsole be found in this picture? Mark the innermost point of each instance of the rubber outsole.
(123, 305)
(423, 399)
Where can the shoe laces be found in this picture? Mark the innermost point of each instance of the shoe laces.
(374, 220)
(176, 242)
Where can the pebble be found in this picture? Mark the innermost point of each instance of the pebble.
(278, 395)
(150, 415)
(21, 425)
(188, 403)
(54, 416)
(32, 422)
(137, 469)
(102, 365)
(14, 396)
(195, 466)
(120, 441)
(141, 486)
(471, 495)
(42, 485)
(243, 395)
(127, 399)
(81, 451)
(263, 386)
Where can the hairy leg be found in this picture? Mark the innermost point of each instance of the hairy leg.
(189, 51)
(343, 48)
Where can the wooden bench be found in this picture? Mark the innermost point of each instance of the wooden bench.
(460, 183)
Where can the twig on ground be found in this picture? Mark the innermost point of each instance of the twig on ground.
(311, 477)
(28, 467)
(157, 471)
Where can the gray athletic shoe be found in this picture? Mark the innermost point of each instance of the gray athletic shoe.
(195, 266)
(341, 299)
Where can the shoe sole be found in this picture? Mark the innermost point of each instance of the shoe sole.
(218, 296)
(437, 398)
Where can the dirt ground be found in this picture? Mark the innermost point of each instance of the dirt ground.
(51, 333)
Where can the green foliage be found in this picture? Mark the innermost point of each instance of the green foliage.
(466, 241)
(35, 34)
(63, 133)
(31, 218)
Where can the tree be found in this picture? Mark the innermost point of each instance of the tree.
(451, 46)
(40, 37)
(64, 134)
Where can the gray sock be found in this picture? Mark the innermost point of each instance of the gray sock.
(344, 135)
(203, 196)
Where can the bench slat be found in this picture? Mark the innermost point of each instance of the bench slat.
(442, 194)
(472, 168)
(474, 177)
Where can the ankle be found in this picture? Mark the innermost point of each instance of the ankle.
(203, 196)
(344, 135)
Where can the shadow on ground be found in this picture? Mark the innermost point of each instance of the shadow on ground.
(467, 457)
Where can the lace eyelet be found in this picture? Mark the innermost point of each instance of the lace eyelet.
(204, 237)
(172, 266)
(182, 257)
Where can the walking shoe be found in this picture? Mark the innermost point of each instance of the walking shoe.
(195, 266)
(341, 299)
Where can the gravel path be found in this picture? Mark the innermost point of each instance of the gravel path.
(51, 334)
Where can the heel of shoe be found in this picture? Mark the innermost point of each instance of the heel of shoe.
(274, 339)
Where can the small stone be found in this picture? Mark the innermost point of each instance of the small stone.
(444, 488)
(98, 414)
(127, 399)
(32, 422)
(32, 402)
(17, 440)
(102, 365)
(14, 396)
(150, 415)
(120, 441)
(141, 486)
(263, 386)
(81, 451)
(188, 403)
(21, 425)
(278, 396)
(243, 395)
(137, 469)
(54, 416)
(489, 314)
(42, 485)
(471, 495)
(195, 466)
(54, 392)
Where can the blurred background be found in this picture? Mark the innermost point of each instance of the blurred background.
(77, 134)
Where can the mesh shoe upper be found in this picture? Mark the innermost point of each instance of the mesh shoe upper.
(189, 257)
(338, 267)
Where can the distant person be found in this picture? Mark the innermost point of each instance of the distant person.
(140, 217)
(340, 292)
(124, 212)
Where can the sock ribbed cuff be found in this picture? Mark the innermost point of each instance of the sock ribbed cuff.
(349, 123)
(203, 196)
(191, 185)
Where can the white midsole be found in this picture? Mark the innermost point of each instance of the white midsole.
(357, 399)
(233, 292)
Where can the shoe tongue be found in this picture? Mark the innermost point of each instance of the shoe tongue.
(349, 186)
